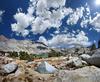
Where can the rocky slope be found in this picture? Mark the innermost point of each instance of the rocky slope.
(69, 69)
(22, 45)
(28, 46)
(77, 64)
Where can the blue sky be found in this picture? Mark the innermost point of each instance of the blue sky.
(57, 23)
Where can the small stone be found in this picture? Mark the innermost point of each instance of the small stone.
(40, 78)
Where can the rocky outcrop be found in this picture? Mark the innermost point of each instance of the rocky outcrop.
(76, 51)
(86, 74)
(75, 62)
(94, 59)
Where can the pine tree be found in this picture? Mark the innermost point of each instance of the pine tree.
(93, 47)
(99, 44)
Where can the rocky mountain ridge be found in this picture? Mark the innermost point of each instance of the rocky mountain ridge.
(10, 45)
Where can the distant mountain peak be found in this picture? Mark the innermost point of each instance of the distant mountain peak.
(3, 38)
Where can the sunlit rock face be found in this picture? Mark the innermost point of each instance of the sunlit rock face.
(46, 68)
(94, 59)
(10, 68)
(86, 74)
(22, 45)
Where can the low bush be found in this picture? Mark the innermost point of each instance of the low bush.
(38, 56)
(54, 53)
(13, 54)
(25, 56)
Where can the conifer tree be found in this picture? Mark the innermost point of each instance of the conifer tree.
(99, 44)
(93, 47)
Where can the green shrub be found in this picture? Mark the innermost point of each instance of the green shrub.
(39, 56)
(93, 47)
(99, 44)
(54, 53)
(25, 56)
(13, 54)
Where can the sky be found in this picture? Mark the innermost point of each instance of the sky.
(57, 23)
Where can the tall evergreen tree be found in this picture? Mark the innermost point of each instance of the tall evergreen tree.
(99, 44)
(93, 47)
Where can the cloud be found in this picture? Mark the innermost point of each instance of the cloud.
(45, 14)
(87, 17)
(44, 17)
(96, 22)
(43, 39)
(88, 20)
(75, 16)
(1, 14)
(23, 21)
(39, 25)
(67, 40)
(48, 14)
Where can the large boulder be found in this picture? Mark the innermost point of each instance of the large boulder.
(45, 68)
(86, 74)
(94, 59)
(9, 68)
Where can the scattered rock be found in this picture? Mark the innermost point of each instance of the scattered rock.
(85, 56)
(10, 68)
(45, 68)
(75, 61)
(86, 74)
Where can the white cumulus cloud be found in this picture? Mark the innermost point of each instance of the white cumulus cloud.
(23, 21)
(75, 16)
(67, 40)
(1, 14)
(96, 22)
(87, 17)
(43, 19)
(39, 25)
